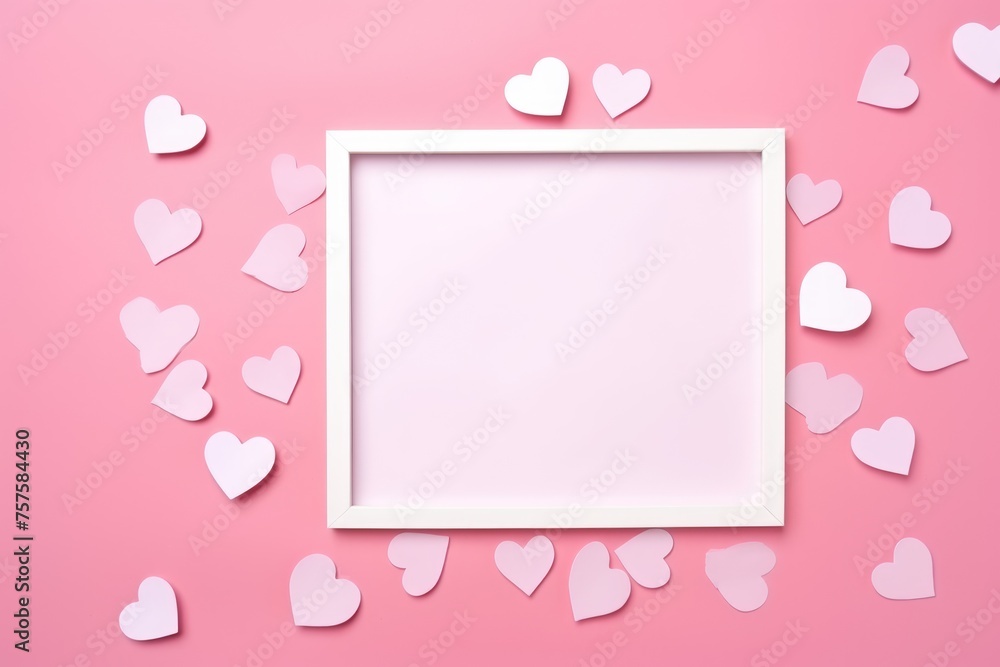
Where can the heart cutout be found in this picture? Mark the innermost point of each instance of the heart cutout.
(935, 344)
(182, 393)
(158, 335)
(595, 588)
(978, 48)
(541, 93)
(164, 233)
(827, 303)
(421, 557)
(885, 83)
(738, 573)
(525, 567)
(169, 131)
(825, 403)
(238, 466)
(154, 615)
(620, 92)
(910, 575)
(276, 262)
(913, 224)
(296, 186)
(319, 598)
(643, 557)
(275, 377)
(889, 448)
(811, 201)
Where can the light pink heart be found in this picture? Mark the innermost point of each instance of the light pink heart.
(910, 575)
(913, 224)
(889, 448)
(421, 557)
(885, 83)
(164, 233)
(738, 573)
(811, 201)
(978, 48)
(275, 377)
(935, 344)
(525, 567)
(643, 557)
(276, 261)
(595, 588)
(319, 598)
(159, 336)
(620, 92)
(296, 186)
(238, 466)
(182, 393)
(154, 615)
(825, 403)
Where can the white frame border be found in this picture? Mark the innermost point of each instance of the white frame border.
(765, 508)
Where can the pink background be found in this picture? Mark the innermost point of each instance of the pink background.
(63, 239)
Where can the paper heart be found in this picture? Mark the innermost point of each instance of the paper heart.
(595, 588)
(543, 92)
(738, 572)
(885, 83)
(825, 403)
(811, 201)
(890, 448)
(421, 557)
(158, 335)
(825, 301)
(978, 48)
(154, 615)
(620, 92)
(913, 224)
(296, 186)
(643, 557)
(167, 130)
(525, 567)
(275, 377)
(935, 344)
(238, 466)
(319, 598)
(910, 575)
(276, 262)
(181, 393)
(164, 233)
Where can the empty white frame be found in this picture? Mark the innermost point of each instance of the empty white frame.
(494, 406)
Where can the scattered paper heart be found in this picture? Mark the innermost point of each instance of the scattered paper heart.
(541, 93)
(825, 403)
(164, 233)
(910, 575)
(885, 83)
(811, 201)
(595, 588)
(421, 557)
(643, 557)
(276, 262)
(889, 448)
(154, 615)
(738, 572)
(978, 48)
(827, 303)
(182, 393)
(158, 335)
(935, 344)
(319, 598)
(913, 224)
(525, 567)
(296, 186)
(620, 92)
(238, 466)
(275, 377)
(167, 131)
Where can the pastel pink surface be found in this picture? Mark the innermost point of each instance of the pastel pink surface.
(643, 557)
(913, 224)
(276, 262)
(275, 377)
(888, 448)
(296, 186)
(824, 402)
(595, 589)
(421, 557)
(164, 233)
(182, 393)
(319, 599)
(525, 567)
(158, 335)
(738, 573)
(935, 344)
(811, 201)
(910, 574)
(620, 92)
(885, 83)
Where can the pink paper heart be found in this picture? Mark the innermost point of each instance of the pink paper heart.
(296, 186)
(811, 201)
(643, 557)
(181, 393)
(159, 336)
(595, 588)
(738, 572)
(164, 233)
(913, 224)
(978, 48)
(275, 377)
(276, 262)
(910, 575)
(319, 598)
(421, 557)
(620, 92)
(890, 448)
(154, 615)
(825, 403)
(525, 567)
(885, 83)
(935, 344)
(238, 466)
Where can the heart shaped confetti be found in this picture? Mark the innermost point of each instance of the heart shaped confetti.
(158, 335)
(738, 572)
(889, 448)
(275, 377)
(825, 301)
(319, 598)
(238, 466)
(276, 261)
(421, 557)
(885, 83)
(910, 575)
(182, 393)
(811, 201)
(167, 130)
(154, 615)
(935, 344)
(543, 92)
(825, 403)
(164, 233)
(913, 224)
(620, 92)
(643, 557)
(296, 186)
(978, 48)
(595, 588)
(525, 567)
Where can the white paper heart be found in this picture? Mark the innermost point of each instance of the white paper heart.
(275, 377)
(620, 92)
(643, 557)
(276, 262)
(825, 301)
(596, 588)
(158, 335)
(888, 448)
(978, 48)
(164, 233)
(912, 222)
(238, 466)
(543, 92)
(167, 130)
(885, 83)
(182, 393)
(154, 615)
(421, 557)
(910, 574)
(319, 598)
